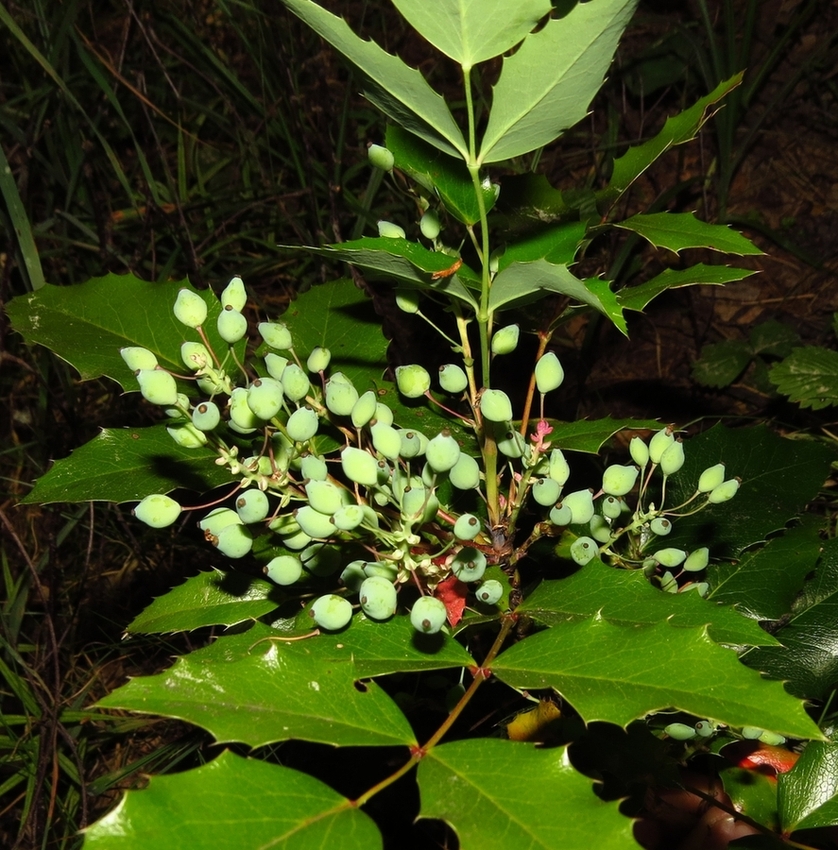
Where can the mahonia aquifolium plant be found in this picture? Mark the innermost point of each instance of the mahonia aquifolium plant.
(378, 493)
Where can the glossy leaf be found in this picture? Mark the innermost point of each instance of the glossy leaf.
(779, 477)
(558, 245)
(127, 464)
(521, 283)
(627, 597)
(807, 795)
(753, 794)
(590, 435)
(230, 804)
(87, 324)
(620, 673)
(638, 297)
(468, 30)
(544, 802)
(212, 598)
(677, 231)
(399, 91)
(808, 376)
(547, 85)
(257, 691)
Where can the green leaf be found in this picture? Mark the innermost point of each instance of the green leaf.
(808, 376)
(521, 283)
(590, 435)
(626, 597)
(721, 363)
(543, 803)
(547, 85)
(620, 673)
(765, 583)
(467, 30)
(557, 244)
(677, 231)
(230, 804)
(259, 690)
(437, 173)
(399, 91)
(807, 795)
(779, 477)
(774, 339)
(126, 465)
(87, 324)
(340, 317)
(213, 598)
(752, 794)
(677, 130)
(638, 297)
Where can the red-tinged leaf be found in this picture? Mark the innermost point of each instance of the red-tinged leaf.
(452, 592)
(759, 757)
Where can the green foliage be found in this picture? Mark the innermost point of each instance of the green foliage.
(594, 607)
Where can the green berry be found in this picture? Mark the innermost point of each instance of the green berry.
(772, 739)
(276, 335)
(724, 492)
(581, 505)
(467, 527)
(195, 355)
(505, 340)
(751, 733)
(411, 444)
(407, 300)
(390, 231)
(386, 440)
(177, 412)
(217, 520)
(378, 598)
(512, 444)
(611, 507)
(668, 583)
(711, 478)
(275, 364)
(241, 416)
(136, 358)
(295, 382)
(231, 325)
(469, 564)
(704, 728)
(319, 359)
(430, 225)
(190, 309)
(187, 436)
(284, 569)
(496, 406)
(413, 381)
(600, 529)
(157, 386)
(546, 492)
(428, 615)
(302, 424)
(680, 731)
(659, 443)
(234, 541)
(465, 474)
(618, 480)
(364, 409)
(639, 451)
(265, 397)
(549, 373)
(359, 466)
(341, 395)
(316, 525)
(672, 458)
(252, 506)
(419, 505)
(157, 511)
(561, 515)
(452, 378)
(383, 414)
(324, 496)
(381, 157)
(348, 517)
(670, 557)
(313, 467)
(234, 294)
(353, 575)
(322, 561)
(381, 568)
(442, 452)
(583, 550)
(660, 526)
(331, 612)
(559, 470)
(490, 592)
(206, 416)
(697, 560)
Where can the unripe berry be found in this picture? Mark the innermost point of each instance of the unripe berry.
(430, 225)
(490, 592)
(442, 452)
(313, 523)
(353, 575)
(561, 515)
(546, 491)
(670, 557)
(505, 340)
(386, 440)
(313, 467)
(195, 355)
(704, 728)
(772, 739)
(549, 373)
(252, 506)
(680, 731)
(157, 386)
(276, 335)
(234, 541)
(217, 520)
(136, 358)
(231, 325)
(672, 458)
(559, 470)
(412, 444)
(364, 409)
(177, 412)
(264, 397)
(322, 561)
(389, 230)
(659, 443)
(452, 378)
(583, 550)
(668, 583)
(383, 414)
(234, 294)
(378, 598)
(467, 527)
(711, 478)
(751, 733)
(302, 424)
(611, 507)
(660, 526)
(324, 496)
(496, 406)
(697, 560)
(639, 451)
(206, 416)
(618, 480)
(581, 505)
(284, 569)
(428, 615)
(318, 360)
(187, 436)
(190, 309)
(275, 364)
(600, 529)
(381, 157)
(157, 510)
(331, 612)
(724, 492)
(341, 395)
(512, 444)
(241, 416)
(465, 474)
(295, 382)
(419, 505)
(407, 300)
(469, 565)
(384, 569)
(359, 466)
(348, 517)
(413, 381)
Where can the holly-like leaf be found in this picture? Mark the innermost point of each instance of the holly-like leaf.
(752, 793)
(127, 465)
(547, 85)
(557, 245)
(779, 477)
(620, 673)
(549, 805)
(521, 283)
(808, 376)
(626, 597)
(590, 435)
(807, 795)
(638, 297)
(212, 598)
(677, 231)
(229, 804)
(87, 324)
(399, 91)
(468, 32)
(721, 363)
(259, 691)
